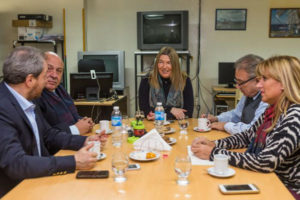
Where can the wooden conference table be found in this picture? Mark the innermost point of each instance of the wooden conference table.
(155, 180)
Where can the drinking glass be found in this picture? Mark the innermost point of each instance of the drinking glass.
(183, 124)
(125, 122)
(119, 166)
(183, 167)
(117, 137)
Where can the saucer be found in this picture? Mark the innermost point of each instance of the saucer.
(101, 157)
(98, 131)
(230, 172)
(166, 123)
(172, 130)
(172, 141)
(201, 130)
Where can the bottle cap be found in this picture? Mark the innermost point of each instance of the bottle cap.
(116, 108)
(159, 103)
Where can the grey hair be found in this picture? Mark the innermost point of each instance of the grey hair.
(248, 63)
(22, 61)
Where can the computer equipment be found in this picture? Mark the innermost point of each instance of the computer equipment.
(226, 73)
(82, 86)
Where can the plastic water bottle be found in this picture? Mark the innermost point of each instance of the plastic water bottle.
(116, 123)
(159, 117)
(116, 118)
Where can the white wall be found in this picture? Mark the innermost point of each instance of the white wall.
(218, 46)
(111, 25)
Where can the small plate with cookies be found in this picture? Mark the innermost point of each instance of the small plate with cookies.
(144, 155)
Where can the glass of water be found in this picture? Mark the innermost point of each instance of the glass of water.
(183, 167)
(119, 166)
(183, 124)
(117, 137)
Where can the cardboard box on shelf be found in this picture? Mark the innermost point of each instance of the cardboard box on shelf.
(30, 33)
(31, 23)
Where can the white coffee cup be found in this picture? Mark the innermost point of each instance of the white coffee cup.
(203, 124)
(220, 164)
(95, 148)
(104, 125)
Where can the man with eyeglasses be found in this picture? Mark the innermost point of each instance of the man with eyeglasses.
(250, 107)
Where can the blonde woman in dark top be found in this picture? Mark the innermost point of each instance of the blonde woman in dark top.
(166, 83)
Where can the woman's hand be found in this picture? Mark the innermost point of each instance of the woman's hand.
(178, 113)
(202, 147)
(151, 116)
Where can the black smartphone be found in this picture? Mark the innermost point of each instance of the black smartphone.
(93, 174)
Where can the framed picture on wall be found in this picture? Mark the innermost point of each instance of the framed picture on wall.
(231, 19)
(284, 22)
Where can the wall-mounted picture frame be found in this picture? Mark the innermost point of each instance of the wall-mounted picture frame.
(284, 23)
(231, 19)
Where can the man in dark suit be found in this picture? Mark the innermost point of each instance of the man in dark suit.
(56, 104)
(25, 137)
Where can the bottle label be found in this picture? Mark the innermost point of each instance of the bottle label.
(116, 121)
(159, 115)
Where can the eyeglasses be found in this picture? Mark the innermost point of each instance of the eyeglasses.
(243, 82)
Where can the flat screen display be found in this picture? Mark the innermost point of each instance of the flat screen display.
(226, 73)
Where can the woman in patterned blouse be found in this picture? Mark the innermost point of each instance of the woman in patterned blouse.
(273, 142)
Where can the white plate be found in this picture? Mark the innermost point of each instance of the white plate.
(230, 172)
(172, 130)
(201, 130)
(172, 141)
(102, 156)
(98, 131)
(141, 156)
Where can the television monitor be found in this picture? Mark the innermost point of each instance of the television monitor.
(226, 73)
(82, 86)
(156, 29)
(114, 61)
(86, 65)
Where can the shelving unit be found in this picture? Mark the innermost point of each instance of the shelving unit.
(54, 43)
(140, 73)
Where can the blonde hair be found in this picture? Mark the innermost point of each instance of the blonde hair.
(286, 70)
(178, 78)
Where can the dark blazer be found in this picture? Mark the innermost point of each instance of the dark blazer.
(55, 110)
(18, 150)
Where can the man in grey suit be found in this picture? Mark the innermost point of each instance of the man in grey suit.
(25, 137)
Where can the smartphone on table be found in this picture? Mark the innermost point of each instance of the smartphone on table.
(238, 189)
(93, 174)
(134, 167)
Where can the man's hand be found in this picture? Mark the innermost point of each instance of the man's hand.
(102, 137)
(218, 126)
(85, 125)
(210, 117)
(151, 116)
(178, 113)
(85, 159)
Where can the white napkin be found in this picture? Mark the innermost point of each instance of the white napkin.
(152, 141)
(197, 161)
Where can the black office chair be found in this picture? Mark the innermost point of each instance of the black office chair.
(85, 65)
